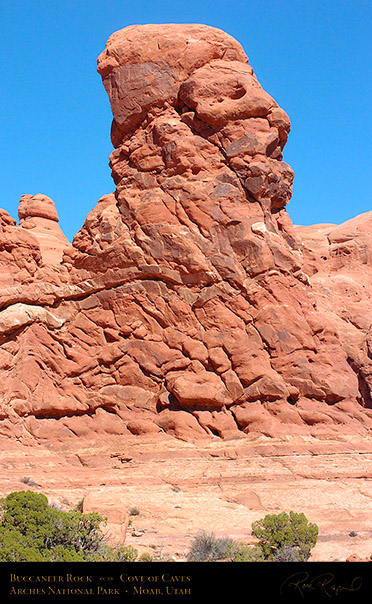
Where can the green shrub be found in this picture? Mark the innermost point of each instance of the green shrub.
(242, 552)
(281, 538)
(278, 532)
(33, 531)
(109, 554)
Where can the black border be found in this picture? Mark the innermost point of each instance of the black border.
(173, 582)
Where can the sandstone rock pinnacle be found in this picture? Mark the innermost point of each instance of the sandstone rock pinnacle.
(38, 213)
(188, 305)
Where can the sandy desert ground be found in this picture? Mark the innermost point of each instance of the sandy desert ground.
(180, 489)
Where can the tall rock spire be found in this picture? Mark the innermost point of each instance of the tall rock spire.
(186, 304)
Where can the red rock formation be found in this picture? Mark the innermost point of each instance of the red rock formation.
(338, 260)
(38, 214)
(188, 304)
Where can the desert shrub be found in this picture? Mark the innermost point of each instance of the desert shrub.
(282, 536)
(242, 552)
(28, 480)
(146, 557)
(79, 506)
(207, 548)
(289, 553)
(33, 531)
(110, 554)
(15, 547)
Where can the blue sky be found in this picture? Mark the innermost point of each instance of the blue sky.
(313, 57)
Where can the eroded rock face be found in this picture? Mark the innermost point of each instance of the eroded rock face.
(38, 214)
(188, 304)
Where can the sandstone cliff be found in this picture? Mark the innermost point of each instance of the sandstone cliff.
(188, 305)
